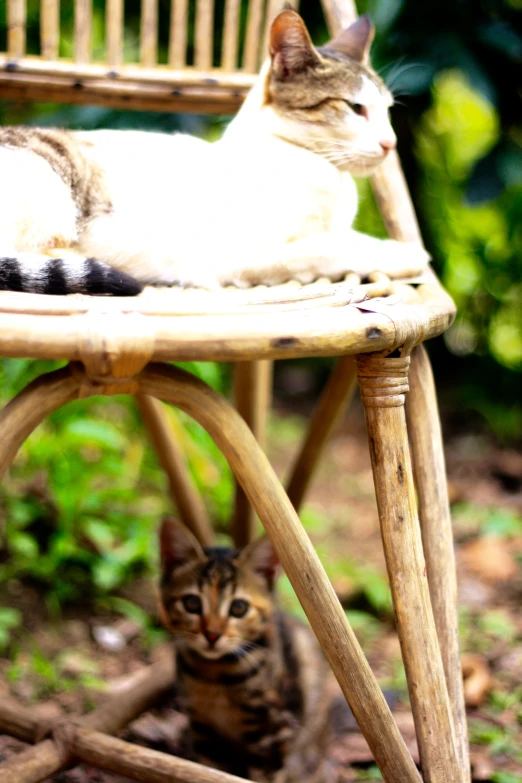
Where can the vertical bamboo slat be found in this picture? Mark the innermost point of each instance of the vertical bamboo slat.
(253, 36)
(178, 33)
(82, 31)
(149, 33)
(50, 28)
(230, 46)
(204, 37)
(16, 21)
(114, 26)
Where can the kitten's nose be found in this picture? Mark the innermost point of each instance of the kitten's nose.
(388, 143)
(212, 636)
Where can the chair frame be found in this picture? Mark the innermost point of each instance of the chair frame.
(114, 350)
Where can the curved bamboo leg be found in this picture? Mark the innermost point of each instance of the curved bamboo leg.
(298, 558)
(29, 408)
(328, 411)
(384, 382)
(252, 393)
(182, 489)
(437, 536)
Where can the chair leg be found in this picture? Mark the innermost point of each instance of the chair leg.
(183, 491)
(383, 383)
(437, 538)
(252, 395)
(298, 558)
(328, 411)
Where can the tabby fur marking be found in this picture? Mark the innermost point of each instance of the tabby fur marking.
(250, 678)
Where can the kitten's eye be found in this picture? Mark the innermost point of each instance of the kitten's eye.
(192, 603)
(239, 608)
(357, 108)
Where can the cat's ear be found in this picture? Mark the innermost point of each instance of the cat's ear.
(355, 41)
(291, 47)
(177, 545)
(261, 557)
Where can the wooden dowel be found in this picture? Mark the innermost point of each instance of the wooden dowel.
(16, 23)
(140, 763)
(252, 397)
(18, 721)
(184, 493)
(149, 33)
(114, 22)
(328, 411)
(82, 31)
(34, 764)
(437, 535)
(384, 383)
(50, 28)
(230, 46)
(204, 34)
(178, 33)
(298, 558)
(253, 36)
(49, 757)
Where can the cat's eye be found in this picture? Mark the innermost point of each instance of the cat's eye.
(238, 608)
(357, 108)
(192, 603)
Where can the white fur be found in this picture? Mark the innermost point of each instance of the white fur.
(269, 201)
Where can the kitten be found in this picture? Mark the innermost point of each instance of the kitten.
(274, 199)
(250, 678)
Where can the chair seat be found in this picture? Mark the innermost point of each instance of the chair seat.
(284, 321)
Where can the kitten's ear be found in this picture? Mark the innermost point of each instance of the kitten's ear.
(291, 47)
(356, 40)
(177, 545)
(261, 557)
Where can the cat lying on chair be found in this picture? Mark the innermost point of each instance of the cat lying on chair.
(109, 211)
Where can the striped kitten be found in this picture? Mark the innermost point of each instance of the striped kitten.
(250, 678)
(273, 199)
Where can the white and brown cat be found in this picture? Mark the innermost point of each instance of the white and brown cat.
(273, 199)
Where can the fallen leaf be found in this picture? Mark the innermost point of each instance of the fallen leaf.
(477, 679)
(490, 557)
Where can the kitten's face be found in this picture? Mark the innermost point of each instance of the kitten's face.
(216, 602)
(328, 99)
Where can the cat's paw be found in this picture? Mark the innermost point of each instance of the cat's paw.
(399, 259)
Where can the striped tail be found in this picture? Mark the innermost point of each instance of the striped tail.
(38, 274)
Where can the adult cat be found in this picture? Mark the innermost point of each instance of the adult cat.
(274, 199)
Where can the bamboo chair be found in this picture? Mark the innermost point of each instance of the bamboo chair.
(116, 346)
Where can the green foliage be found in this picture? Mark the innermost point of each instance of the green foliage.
(84, 496)
(9, 620)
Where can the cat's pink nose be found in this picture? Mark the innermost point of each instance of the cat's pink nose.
(212, 636)
(388, 143)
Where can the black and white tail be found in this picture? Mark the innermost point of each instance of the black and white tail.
(38, 274)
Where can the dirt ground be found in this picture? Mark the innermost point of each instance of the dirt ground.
(486, 494)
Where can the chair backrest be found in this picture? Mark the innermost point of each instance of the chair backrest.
(184, 55)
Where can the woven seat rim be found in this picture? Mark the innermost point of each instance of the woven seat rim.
(289, 321)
